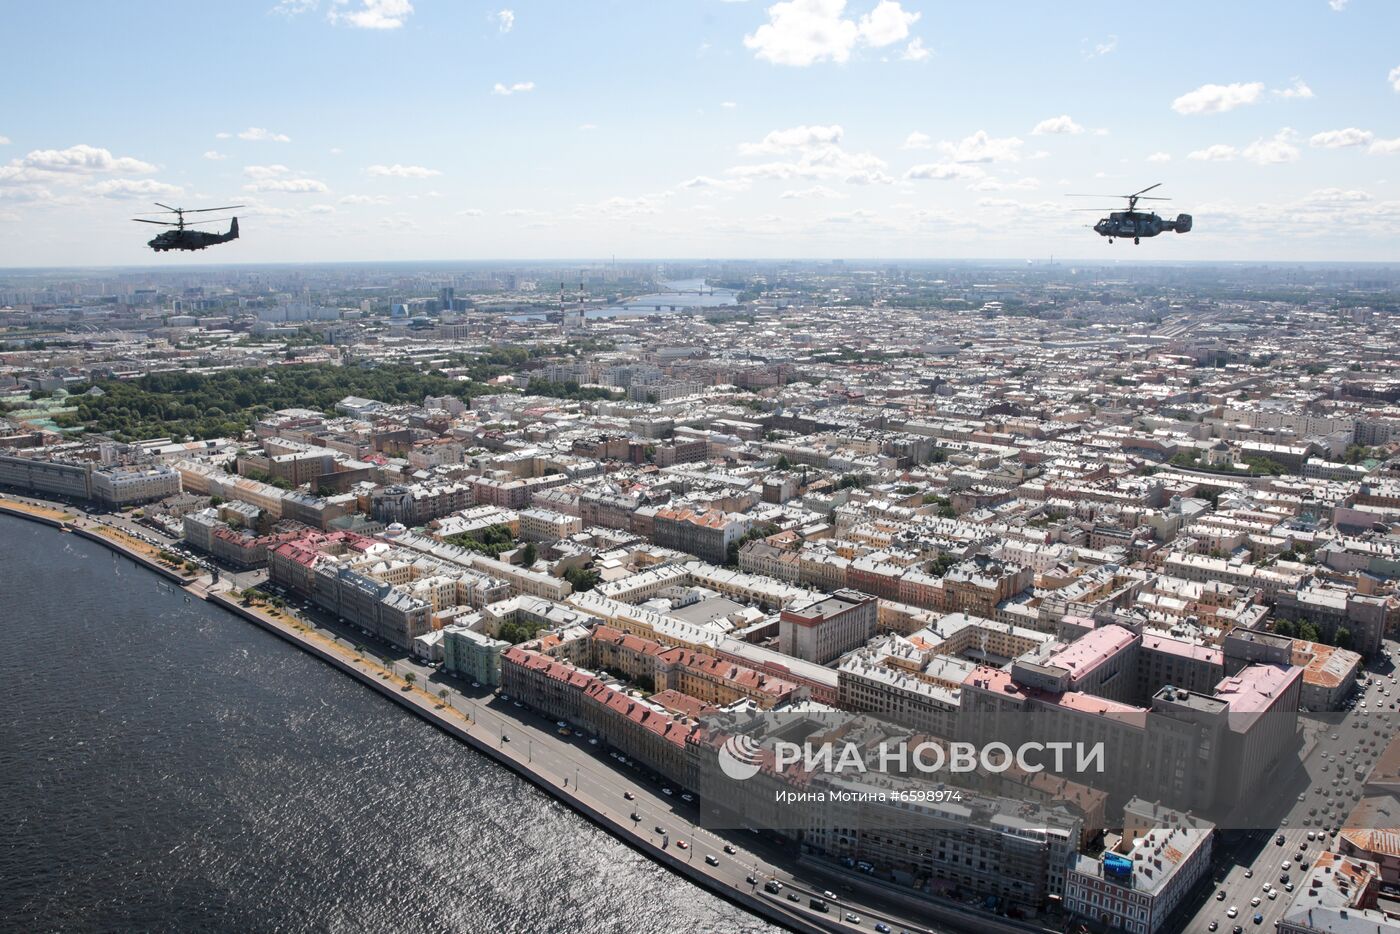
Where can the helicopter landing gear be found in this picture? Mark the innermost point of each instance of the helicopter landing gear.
(1110, 241)
(1136, 241)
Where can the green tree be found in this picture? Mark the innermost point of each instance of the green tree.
(1342, 638)
(528, 555)
(1307, 631)
(1286, 627)
(942, 564)
(582, 579)
(410, 678)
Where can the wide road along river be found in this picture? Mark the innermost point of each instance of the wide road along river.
(165, 765)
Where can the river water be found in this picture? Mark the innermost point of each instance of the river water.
(166, 766)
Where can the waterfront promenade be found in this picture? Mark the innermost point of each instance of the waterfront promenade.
(570, 768)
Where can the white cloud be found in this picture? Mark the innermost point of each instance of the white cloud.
(588, 127)
(373, 14)
(265, 171)
(850, 217)
(1218, 98)
(87, 160)
(505, 20)
(321, 209)
(1105, 47)
(1394, 78)
(915, 51)
(133, 188)
(728, 105)
(336, 150)
(917, 140)
(797, 137)
(1336, 196)
(1338, 5)
(215, 155)
(1160, 157)
(1384, 147)
(1025, 183)
(1057, 125)
(803, 32)
(365, 199)
(294, 186)
(821, 161)
(1217, 153)
(401, 171)
(617, 207)
(520, 87)
(1009, 205)
(943, 171)
(887, 24)
(720, 184)
(979, 147)
(470, 212)
(223, 136)
(4, 141)
(816, 192)
(294, 7)
(23, 193)
(75, 160)
(257, 134)
(1340, 139)
(1278, 148)
(1297, 91)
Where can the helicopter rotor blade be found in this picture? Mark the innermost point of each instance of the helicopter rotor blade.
(228, 207)
(1135, 197)
(166, 206)
(1145, 190)
(142, 220)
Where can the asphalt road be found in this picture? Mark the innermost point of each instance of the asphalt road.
(605, 780)
(1245, 862)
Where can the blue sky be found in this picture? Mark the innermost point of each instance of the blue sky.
(428, 129)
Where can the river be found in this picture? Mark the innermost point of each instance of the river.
(166, 766)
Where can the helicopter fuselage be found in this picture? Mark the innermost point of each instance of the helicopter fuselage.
(185, 239)
(1138, 224)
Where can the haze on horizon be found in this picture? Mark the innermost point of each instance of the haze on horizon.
(371, 130)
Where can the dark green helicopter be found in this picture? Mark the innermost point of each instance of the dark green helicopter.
(182, 239)
(1132, 222)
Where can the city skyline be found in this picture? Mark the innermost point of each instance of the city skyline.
(389, 130)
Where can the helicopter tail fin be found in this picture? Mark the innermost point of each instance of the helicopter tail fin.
(232, 230)
(1182, 224)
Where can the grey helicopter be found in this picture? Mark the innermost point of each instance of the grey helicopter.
(183, 239)
(1134, 223)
